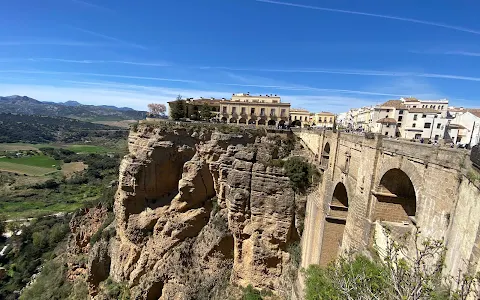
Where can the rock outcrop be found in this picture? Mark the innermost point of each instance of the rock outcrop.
(197, 209)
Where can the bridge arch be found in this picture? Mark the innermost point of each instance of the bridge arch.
(297, 123)
(334, 225)
(396, 197)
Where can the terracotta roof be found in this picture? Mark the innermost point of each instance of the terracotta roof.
(474, 111)
(456, 126)
(325, 113)
(423, 110)
(398, 104)
(387, 121)
(411, 99)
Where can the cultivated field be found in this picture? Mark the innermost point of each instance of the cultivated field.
(86, 149)
(69, 169)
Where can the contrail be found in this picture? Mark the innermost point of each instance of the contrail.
(351, 12)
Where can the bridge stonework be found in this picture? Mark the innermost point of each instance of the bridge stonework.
(388, 182)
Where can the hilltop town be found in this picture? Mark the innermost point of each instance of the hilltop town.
(428, 121)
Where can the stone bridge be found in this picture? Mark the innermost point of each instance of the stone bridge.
(369, 182)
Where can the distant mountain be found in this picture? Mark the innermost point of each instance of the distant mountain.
(16, 128)
(71, 103)
(70, 109)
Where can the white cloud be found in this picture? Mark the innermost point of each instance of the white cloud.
(53, 42)
(351, 12)
(110, 38)
(92, 5)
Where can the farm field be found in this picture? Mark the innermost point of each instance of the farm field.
(20, 146)
(87, 149)
(24, 169)
(37, 165)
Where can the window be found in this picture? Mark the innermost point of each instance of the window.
(388, 125)
(283, 112)
(224, 109)
(414, 125)
(399, 125)
(418, 136)
(388, 110)
(234, 110)
(414, 106)
(427, 125)
(244, 110)
(262, 111)
(400, 118)
(414, 117)
(331, 119)
(400, 112)
(437, 137)
(272, 112)
(295, 118)
(386, 133)
(252, 111)
(424, 116)
(438, 125)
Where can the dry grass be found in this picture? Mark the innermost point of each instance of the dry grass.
(69, 169)
(17, 147)
(122, 124)
(24, 169)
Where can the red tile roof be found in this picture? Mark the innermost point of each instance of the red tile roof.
(398, 104)
(387, 121)
(474, 111)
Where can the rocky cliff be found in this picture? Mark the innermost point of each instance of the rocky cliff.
(196, 211)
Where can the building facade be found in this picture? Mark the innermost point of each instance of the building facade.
(299, 117)
(254, 110)
(424, 123)
(464, 128)
(323, 119)
(192, 107)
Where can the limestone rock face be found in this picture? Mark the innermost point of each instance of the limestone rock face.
(194, 210)
(82, 227)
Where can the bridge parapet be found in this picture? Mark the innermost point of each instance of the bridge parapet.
(426, 153)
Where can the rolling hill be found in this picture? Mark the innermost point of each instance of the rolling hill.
(70, 109)
(16, 128)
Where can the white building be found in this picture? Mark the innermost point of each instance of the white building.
(464, 128)
(424, 123)
(388, 117)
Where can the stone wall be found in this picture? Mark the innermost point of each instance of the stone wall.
(442, 202)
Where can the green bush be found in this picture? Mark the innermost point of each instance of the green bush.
(50, 284)
(250, 293)
(302, 174)
(363, 275)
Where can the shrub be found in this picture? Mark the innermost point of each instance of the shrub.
(50, 284)
(302, 174)
(250, 293)
(348, 278)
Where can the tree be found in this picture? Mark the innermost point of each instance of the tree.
(157, 109)
(177, 109)
(409, 268)
(205, 112)
(2, 225)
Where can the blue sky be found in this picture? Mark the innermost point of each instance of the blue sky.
(319, 55)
